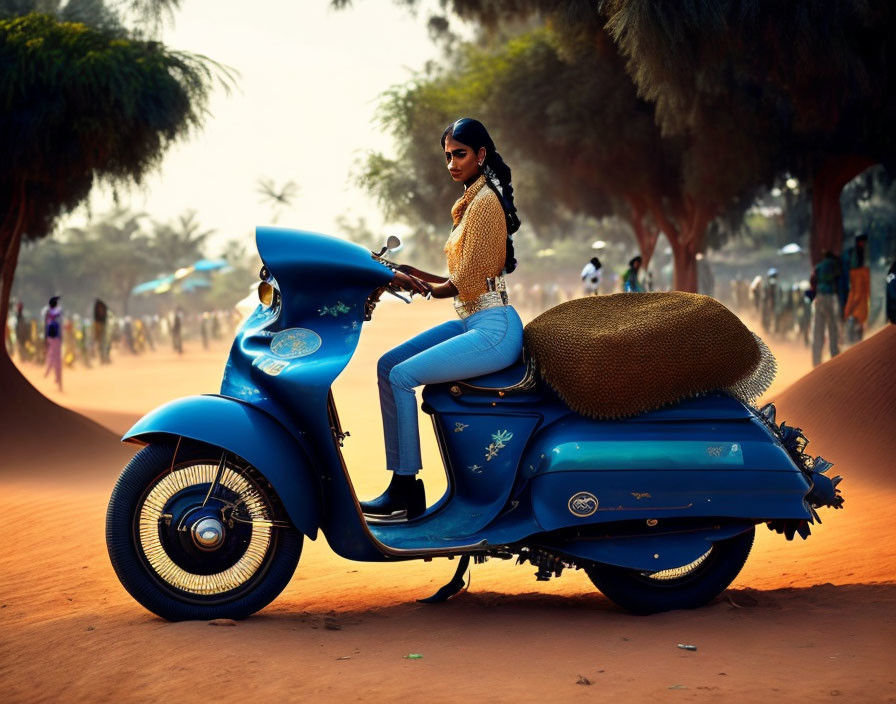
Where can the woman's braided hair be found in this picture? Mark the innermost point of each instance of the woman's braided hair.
(497, 174)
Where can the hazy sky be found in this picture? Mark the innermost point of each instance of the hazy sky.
(303, 110)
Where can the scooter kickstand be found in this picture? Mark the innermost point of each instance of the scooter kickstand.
(455, 586)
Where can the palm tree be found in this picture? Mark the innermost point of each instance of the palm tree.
(179, 244)
(277, 198)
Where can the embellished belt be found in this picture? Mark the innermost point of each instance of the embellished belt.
(494, 298)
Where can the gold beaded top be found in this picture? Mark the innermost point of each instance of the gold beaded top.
(477, 247)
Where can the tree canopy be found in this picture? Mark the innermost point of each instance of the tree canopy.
(120, 249)
(579, 139)
(811, 83)
(746, 93)
(78, 104)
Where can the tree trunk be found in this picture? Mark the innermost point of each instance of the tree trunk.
(828, 181)
(685, 257)
(10, 242)
(685, 242)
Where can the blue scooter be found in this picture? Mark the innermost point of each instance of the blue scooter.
(208, 519)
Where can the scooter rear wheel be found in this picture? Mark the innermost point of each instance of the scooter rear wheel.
(187, 553)
(684, 587)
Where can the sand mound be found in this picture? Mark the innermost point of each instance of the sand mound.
(41, 440)
(847, 408)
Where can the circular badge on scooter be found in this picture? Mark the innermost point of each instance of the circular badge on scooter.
(582, 504)
(295, 342)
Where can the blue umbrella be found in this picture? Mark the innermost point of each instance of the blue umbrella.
(210, 264)
(150, 286)
(192, 284)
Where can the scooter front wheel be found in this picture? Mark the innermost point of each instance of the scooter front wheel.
(199, 534)
(684, 587)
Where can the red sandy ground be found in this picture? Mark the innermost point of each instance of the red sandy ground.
(811, 619)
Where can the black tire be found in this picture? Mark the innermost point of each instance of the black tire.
(172, 575)
(686, 587)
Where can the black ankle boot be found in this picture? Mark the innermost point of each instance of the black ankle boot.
(405, 495)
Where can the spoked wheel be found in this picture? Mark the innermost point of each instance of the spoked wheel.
(684, 587)
(203, 537)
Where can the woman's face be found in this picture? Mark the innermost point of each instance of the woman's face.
(463, 162)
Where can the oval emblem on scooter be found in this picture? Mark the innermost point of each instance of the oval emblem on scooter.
(295, 342)
(582, 504)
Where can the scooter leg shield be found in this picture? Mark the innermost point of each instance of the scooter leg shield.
(249, 433)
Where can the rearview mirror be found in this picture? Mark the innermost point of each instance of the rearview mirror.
(393, 244)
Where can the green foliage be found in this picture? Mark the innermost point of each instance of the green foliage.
(78, 103)
(805, 77)
(121, 249)
(413, 186)
(179, 243)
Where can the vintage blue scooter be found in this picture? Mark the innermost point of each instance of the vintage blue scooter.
(208, 519)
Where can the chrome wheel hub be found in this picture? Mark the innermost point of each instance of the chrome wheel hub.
(208, 533)
(205, 557)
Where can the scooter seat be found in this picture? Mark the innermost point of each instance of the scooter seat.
(517, 378)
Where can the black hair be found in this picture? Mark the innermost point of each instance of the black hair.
(596, 262)
(638, 259)
(473, 133)
(53, 301)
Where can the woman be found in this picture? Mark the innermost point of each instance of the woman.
(489, 334)
(53, 334)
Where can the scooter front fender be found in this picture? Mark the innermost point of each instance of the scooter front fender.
(249, 433)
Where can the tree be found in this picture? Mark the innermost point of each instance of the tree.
(277, 198)
(579, 103)
(812, 81)
(125, 253)
(412, 187)
(563, 95)
(79, 104)
(180, 243)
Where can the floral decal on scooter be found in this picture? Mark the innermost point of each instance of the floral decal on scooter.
(499, 440)
(338, 308)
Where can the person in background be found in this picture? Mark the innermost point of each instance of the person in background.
(100, 338)
(756, 292)
(770, 301)
(148, 332)
(630, 283)
(826, 275)
(591, 277)
(204, 329)
(127, 330)
(891, 293)
(53, 336)
(9, 333)
(69, 342)
(855, 312)
(177, 324)
(803, 312)
(79, 340)
(23, 332)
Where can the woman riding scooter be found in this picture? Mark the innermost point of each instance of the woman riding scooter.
(489, 334)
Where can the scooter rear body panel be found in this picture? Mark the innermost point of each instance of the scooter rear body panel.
(705, 457)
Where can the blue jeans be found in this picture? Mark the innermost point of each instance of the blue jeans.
(485, 342)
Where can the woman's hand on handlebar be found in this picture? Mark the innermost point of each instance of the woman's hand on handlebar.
(422, 275)
(411, 283)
